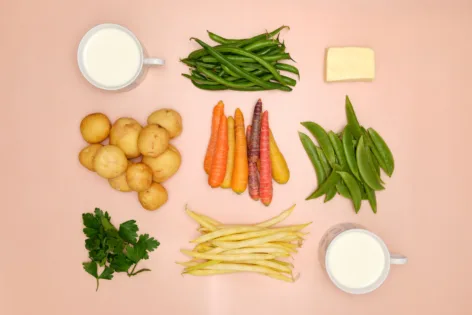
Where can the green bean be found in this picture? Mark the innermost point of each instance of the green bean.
(199, 80)
(322, 137)
(259, 72)
(365, 168)
(348, 147)
(198, 75)
(222, 40)
(223, 60)
(343, 190)
(193, 63)
(372, 198)
(383, 150)
(264, 51)
(221, 73)
(288, 68)
(352, 121)
(251, 65)
(354, 189)
(328, 184)
(230, 72)
(310, 150)
(222, 81)
(209, 87)
(260, 44)
(338, 149)
(276, 51)
(234, 58)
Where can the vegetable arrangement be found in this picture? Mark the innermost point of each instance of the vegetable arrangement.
(258, 248)
(129, 140)
(116, 250)
(348, 163)
(251, 64)
(237, 160)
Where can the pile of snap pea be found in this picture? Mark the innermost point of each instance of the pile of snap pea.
(251, 64)
(348, 163)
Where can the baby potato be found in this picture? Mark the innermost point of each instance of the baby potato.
(139, 176)
(110, 161)
(169, 119)
(153, 140)
(153, 197)
(165, 165)
(119, 183)
(87, 155)
(95, 127)
(124, 134)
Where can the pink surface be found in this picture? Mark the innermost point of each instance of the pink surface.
(419, 103)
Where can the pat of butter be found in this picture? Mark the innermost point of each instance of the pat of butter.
(350, 64)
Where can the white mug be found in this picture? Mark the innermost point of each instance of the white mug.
(336, 245)
(111, 58)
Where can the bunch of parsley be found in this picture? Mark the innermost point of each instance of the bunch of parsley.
(116, 250)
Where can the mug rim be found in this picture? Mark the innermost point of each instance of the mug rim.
(83, 43)
(374, 285)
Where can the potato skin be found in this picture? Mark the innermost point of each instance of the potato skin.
(139, 176)
(153, 140)
(87, 155)
(95, 127)
(165, 165)
(119, 183)
(110, 161)
(169, 119)
(154, 197)
(124, 134)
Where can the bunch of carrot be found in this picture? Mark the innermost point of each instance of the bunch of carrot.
(237, 159)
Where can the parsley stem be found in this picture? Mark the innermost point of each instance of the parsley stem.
(141, 270)
(97, 285)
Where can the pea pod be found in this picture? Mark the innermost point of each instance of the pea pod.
(366, 171)
(349, 152)
(373, 163)
(352, 121)
(327, 169)
(330, 194)
(372, 198)
(383, 150)
(338, 149)
(240, 71)
(343, 190)
(310, 150)
(354, 189)
(322, 137)
(328, 184)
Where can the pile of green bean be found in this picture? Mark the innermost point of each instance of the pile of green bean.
(251, 64)
(348, 163)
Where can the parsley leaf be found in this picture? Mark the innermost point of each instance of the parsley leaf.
(91, 268)
(107, 273)
(121, 263)
(128, 231)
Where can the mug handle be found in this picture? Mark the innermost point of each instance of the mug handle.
(396, 259)
(154, 62)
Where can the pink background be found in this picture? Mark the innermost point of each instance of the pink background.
(419, 103)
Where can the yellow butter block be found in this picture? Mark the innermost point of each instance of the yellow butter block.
(350, 64)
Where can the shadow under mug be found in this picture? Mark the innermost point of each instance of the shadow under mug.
(144, 62)
(341, 229)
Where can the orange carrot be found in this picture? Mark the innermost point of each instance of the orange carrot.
(240, 170)
(218, 111)
(220, 156)
(265, 189)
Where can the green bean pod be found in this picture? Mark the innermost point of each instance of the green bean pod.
(322, 137)
(366, 171)
(240, 71)
(234, 58)
(310, 150)
(260, 44)
(324, 188)
(354, 189)
(224, 82)
(338, 149)
(372, 198)
(349, 152)
(199, 80)
(383, 150)
(352, 121)
(222, 40)
(288, 68)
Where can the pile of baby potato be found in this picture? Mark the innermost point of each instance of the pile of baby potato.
(129, 141)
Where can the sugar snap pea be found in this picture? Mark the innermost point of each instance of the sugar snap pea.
(373, 163)
(310, 150)
(383, 150)
(372, 198)
(366, 171)
(322, 137)
(349, 152)
(328, 184)
(338, 149)
(379, 159)
(330, 194)
(343, 190)
(327, 169)
(354, 189)
(352, 121)
(241, 72)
